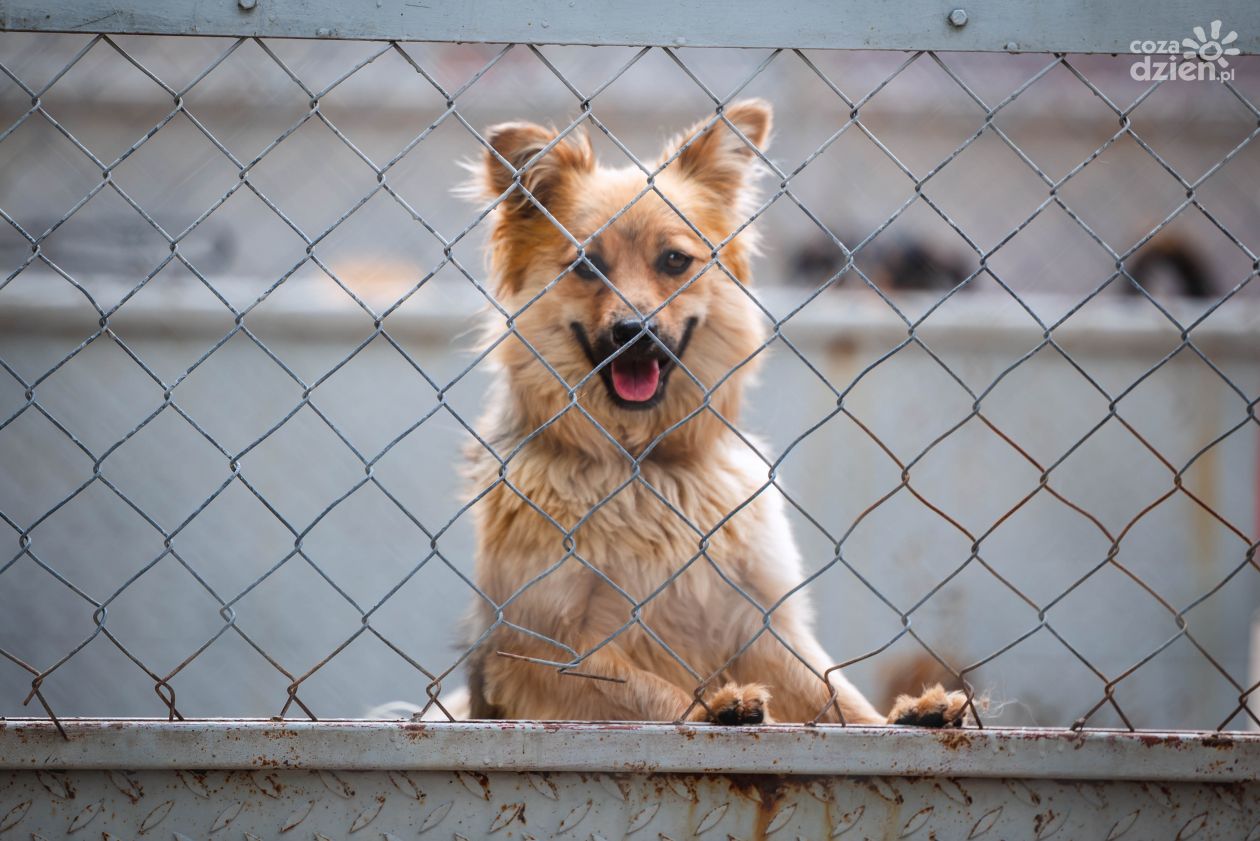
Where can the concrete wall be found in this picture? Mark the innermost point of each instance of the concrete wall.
(366, 545)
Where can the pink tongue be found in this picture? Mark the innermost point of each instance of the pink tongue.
(635, 380)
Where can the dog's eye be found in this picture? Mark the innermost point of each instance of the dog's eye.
(674, 262)
(584, 270)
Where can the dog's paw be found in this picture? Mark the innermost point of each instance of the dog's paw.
(737, 704)
(934, 708)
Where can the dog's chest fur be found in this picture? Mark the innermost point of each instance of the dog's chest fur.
(639, 532)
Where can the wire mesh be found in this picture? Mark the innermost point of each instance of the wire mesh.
(426, 554)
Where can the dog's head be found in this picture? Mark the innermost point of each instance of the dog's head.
(615, 274)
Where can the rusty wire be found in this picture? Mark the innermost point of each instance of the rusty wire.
(586, 118)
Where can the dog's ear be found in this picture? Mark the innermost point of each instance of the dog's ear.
(718, 157)
(520, 145)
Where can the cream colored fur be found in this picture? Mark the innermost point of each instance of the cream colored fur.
(641, 604)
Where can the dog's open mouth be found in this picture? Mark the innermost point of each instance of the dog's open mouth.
(637, 377)
(635, 380)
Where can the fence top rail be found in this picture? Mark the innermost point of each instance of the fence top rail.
(31, 744)
(1077, 26)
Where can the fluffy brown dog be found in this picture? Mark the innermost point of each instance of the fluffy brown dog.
(629, 514)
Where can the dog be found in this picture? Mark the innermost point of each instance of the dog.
(624, 545)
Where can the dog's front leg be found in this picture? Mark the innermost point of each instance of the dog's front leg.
(635, 692)
(608, 685)
(655, 699)
(795, 676)
(801, 693)
(604, 687)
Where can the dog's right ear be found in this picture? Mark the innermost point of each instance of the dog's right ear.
(518, 158)
(713, 155)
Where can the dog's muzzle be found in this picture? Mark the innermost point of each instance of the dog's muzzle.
(634, 359)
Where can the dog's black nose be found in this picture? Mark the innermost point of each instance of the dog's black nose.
(628, 329)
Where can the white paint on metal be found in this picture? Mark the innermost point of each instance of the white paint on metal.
(1078, 26)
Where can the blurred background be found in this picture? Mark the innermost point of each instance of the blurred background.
(1131, 560)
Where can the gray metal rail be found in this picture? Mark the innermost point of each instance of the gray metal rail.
(1077, 26)
(632, 748)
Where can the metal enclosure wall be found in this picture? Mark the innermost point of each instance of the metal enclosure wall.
(466, 781)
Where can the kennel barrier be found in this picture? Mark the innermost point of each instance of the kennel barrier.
(87, 766)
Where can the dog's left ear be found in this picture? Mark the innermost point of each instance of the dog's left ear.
(542, 173)
(718, 157)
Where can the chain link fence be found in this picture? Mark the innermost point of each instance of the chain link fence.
(1009, 395)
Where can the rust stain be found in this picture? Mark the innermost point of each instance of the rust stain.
(769, 792)
(1151, 740)
(480, 779)
(1217, 741)
(1041, 820)
(416, 730)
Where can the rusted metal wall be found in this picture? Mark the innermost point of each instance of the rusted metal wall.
(481, 780)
